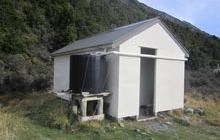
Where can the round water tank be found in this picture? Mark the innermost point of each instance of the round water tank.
(87, 73)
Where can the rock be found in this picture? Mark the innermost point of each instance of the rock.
(75, 109)
(164, 126)
(199, 111)
(121, 124)
(189, 110)
(160, 115)
(103, 130)
(143, 133)
(168, 123)
(184, 120)
(138, 130)
(158, 126)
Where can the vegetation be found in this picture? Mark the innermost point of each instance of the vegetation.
(41, 116)
(210, 104)
(30, 30)
(204, 80)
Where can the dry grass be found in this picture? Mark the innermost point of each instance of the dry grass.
(24, 117)
(41, 108)
(12, 127)
(210, 105)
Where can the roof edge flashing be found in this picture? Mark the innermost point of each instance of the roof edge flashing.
(174, 37)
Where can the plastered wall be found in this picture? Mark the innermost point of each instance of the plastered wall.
(61, 73)
(169, 74)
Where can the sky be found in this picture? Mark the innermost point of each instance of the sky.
(204, 14)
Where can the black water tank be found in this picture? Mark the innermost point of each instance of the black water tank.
(87, 73)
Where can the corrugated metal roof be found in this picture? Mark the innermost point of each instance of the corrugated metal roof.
(102, 38)
(115, 36)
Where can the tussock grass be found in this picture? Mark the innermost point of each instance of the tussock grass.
(210, 105)
(12, 127)
(43, 109)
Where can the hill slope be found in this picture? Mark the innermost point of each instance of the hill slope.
(30, 29)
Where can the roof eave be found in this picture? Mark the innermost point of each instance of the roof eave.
(76, 51)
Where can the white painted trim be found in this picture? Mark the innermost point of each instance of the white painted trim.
(145, 55)
(155, 88)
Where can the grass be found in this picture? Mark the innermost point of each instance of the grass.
(43, 117)
(210, 105)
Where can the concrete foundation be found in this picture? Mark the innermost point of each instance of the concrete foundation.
(83, 100)
(99, 117)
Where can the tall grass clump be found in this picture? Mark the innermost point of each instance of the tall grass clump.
(41, 108)
(209, 104)
(12, 127)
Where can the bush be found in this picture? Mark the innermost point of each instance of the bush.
(204, 80)
(2, 74)
(23, 73)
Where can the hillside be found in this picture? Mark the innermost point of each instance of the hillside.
(30, 30)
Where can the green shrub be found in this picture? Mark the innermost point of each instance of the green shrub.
(204, 80)
(59, 119)
(22, 73)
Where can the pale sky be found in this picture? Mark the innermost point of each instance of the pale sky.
(204, 14)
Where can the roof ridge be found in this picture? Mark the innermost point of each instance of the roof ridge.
(136, 23)
(118, 28)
